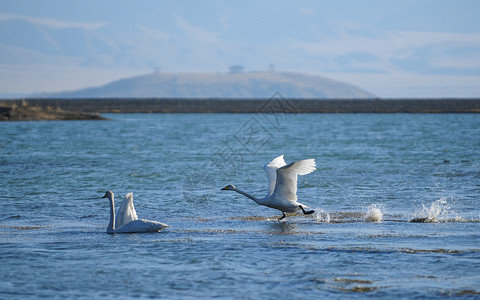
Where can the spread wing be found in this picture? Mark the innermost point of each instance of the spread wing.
(271, 170)
(126, 212)
(286, 185)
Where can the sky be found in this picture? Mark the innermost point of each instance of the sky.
(419, 48)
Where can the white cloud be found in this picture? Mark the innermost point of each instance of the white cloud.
(397, 45)
(53, 23)
(386, 45)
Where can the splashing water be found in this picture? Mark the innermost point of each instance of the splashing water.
(436, 212)
(322, 216)
(374, 213)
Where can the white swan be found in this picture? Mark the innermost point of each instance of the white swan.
(127, 219)
(126, 213)
(282, 178)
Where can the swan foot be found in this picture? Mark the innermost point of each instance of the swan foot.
(281, 218)
(306, 212)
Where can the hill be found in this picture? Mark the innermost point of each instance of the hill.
(220, 85)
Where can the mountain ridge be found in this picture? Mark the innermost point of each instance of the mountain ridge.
(220, 85)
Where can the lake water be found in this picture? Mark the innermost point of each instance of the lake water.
(389, 168)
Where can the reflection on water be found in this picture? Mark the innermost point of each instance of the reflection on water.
(283, 228)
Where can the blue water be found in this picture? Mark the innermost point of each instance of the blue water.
(390, 168)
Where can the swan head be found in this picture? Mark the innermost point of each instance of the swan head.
(108, 194)
(228, 187)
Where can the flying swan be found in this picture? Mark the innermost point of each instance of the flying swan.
(282, 178)
(127, 220)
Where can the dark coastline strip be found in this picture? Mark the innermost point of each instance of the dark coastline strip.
(169, 105)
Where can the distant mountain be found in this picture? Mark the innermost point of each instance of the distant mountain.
(220, 85)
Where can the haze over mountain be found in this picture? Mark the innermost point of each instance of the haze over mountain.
(221, 85)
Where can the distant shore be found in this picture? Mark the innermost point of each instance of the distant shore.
(82, 109)
(24, 112)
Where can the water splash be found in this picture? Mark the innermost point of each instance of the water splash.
(322, 216)
(439, 210)
(374, 213)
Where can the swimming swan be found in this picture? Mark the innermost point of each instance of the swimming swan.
(126, 213)
(282, 179)
(127, 219)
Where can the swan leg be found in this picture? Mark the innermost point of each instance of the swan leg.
(284, 215)
(306, 212)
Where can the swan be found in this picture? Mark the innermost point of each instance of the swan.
(127, 220)
(282, 178)
(126, 213)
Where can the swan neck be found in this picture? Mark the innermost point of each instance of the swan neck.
(259, 201)
(111, 223)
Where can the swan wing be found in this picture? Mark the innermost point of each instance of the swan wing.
(271, 170)
(126, 212)
(286, 184)
(141, 226)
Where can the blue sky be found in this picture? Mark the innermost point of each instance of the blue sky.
(390, 48)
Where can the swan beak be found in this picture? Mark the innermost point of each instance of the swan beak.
(228, 187)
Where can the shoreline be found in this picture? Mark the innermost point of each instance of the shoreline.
(89, 109)
(36, 113)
